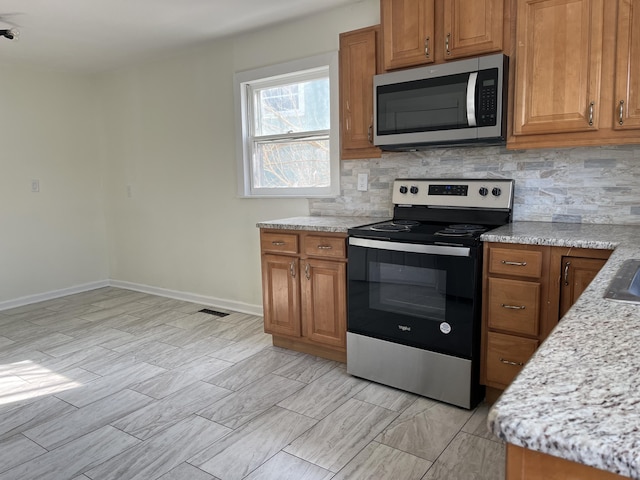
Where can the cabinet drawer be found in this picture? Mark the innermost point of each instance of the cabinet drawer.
(506, 355)
(514, 306)
(279, 242)
(325, 246)
(511, 261)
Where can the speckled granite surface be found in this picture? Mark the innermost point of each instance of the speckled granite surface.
(578, 398)
(319, 223)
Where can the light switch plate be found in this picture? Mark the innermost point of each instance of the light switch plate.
(363, 182)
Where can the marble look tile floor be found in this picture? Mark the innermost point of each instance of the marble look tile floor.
(116, 384)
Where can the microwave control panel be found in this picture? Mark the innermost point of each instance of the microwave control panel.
(487, 103)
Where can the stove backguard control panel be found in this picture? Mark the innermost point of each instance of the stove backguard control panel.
(446, 192)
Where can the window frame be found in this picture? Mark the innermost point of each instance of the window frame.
(276, 75)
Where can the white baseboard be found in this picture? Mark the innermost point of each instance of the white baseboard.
(163, 292)
(191, 297)
(41, 297)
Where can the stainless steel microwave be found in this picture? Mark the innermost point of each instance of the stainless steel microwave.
(456, 103)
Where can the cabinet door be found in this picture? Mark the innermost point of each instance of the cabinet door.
(577, 274)
(358, 53)
(324, 302)
(408, 32)
(628, 66)
(472, 27)
(281, 295)
(558, 66)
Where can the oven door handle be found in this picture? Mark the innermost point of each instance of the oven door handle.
(411, 247)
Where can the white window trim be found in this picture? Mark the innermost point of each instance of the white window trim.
(243, 150)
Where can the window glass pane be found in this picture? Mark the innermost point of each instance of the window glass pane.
(294, 164)
(296, 107)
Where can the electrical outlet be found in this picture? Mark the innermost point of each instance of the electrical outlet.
(35, 186)
(363, 182)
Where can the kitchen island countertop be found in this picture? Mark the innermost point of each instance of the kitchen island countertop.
(578, 397)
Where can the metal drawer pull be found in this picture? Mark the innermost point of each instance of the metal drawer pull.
(306, 272)
(325, 247)
(566, 273)
(446, 44)
(426, 47)
(591, 108)
(292, 268)
(513, 307)
(509, 362)
(517, 264)
(278, 244)
(621, 112)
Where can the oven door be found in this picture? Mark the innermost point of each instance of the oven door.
(425, 296)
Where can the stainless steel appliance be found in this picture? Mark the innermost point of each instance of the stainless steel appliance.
(414, 287)
(456, 103)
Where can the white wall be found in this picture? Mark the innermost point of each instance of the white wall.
(55, 239)
(170, 136)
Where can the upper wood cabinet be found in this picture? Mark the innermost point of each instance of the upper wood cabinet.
(359, 55)
(577, 73)
(408, 32)
(559, 59)
(418, 32)
(627, 91)
(473, 27)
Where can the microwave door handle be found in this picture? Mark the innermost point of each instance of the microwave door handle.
(471, 99)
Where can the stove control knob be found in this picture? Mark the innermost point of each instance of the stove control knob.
(496, 192)
(403, 189)
(414, 190)
(484, 191)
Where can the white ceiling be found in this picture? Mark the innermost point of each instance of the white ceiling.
(94, 35)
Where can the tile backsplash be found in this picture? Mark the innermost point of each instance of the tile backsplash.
(576, 185)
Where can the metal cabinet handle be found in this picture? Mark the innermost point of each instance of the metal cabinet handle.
(446, 44)
(513, 307)
(292, 268)
(370, 134)
(517, 264)
(278, 244)
(621, 112)
(306, 272)
(426, 47)
(566, 273)
(509, 362)
(324, 247)
(591, 109)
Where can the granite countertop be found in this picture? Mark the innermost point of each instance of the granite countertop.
(319, 224)
(578, 397)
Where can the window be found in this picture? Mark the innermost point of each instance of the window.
(288, 129)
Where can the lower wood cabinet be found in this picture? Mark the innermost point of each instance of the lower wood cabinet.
(525, 464)
(304, 285)
(281, 295)
(577, 274)
(527, 289)
(324, 302)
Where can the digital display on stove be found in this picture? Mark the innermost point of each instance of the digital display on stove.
(458, 190)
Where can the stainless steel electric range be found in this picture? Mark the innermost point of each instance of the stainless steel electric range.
(414, 287)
